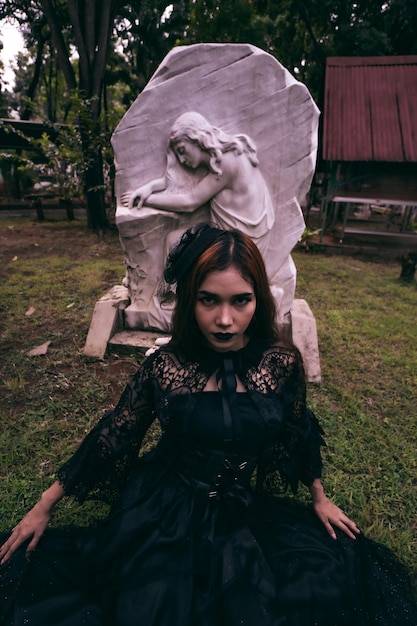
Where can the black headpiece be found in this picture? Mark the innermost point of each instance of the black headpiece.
(191, 245)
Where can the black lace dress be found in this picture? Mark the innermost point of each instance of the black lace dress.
(196, 537)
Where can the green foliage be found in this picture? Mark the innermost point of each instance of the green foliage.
(5, 101)
(227, 22)
(50, 100)
(62, 165)
(60, 157)
(400, 17)
(307, 235)
(301, 34)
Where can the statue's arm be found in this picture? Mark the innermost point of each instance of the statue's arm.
(189, 201)
(143, 192)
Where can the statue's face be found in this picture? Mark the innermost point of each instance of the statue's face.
(189, 154)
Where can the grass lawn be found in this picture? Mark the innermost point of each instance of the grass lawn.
(51, 274)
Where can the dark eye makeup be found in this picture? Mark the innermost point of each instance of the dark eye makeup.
(210, 298)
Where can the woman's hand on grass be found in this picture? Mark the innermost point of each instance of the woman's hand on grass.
(31, 527)
(330, 515)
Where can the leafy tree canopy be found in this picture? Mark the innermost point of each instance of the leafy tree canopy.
(103, 52)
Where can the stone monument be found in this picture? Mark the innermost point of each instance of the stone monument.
(221, 133)
(243, 95)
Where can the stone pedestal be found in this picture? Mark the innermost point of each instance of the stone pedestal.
(304, 336)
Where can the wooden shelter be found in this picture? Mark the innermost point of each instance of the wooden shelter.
(369, 141)
(16, 134)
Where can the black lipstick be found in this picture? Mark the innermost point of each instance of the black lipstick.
(223, 336)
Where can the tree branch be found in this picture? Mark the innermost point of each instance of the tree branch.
(59, 43)
(103, 41)
(85, 67)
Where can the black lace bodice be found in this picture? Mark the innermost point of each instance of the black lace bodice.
(274, 379)
(205, 429)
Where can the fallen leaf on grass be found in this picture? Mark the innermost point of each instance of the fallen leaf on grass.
(40, 350)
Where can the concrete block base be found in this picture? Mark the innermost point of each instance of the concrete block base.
(107, 332)
(304, 336)
(107, 318)
(133, 341)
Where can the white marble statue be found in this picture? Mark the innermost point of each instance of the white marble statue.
(237, 155)
(228, 179)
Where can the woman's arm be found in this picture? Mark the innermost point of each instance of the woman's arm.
(33, 525)
(101, 463)
(330, 514)
(301, 460)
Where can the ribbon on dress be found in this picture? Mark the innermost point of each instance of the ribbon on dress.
(226, 374)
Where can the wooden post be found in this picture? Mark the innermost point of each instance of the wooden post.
(37, 205)
(409, 265)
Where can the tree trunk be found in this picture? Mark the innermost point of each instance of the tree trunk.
(27, 109)
(94, 191)
(59, 44)
(92, 24)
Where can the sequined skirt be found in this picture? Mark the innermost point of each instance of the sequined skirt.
(195, 546)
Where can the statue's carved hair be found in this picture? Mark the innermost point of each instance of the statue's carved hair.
(194, 127)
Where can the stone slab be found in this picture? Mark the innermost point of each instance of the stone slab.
(107, 317)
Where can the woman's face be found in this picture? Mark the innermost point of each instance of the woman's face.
(224, 308)
(189, 154)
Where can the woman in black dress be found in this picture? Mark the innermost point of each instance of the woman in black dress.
(197, 535)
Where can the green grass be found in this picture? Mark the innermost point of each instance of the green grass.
(366, 402)
(367, 399)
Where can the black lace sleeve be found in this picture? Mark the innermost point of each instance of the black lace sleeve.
(100, 467)
(293, 454)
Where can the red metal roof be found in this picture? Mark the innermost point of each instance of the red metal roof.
(370, 109)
